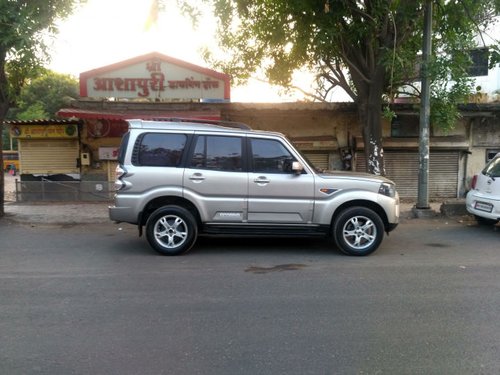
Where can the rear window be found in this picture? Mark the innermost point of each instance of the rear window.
(492, 169)
(123, 148)
(159, 149)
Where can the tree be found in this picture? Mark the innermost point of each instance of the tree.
(43, 96)
(19, 73)
(24, 28)
(369, 48)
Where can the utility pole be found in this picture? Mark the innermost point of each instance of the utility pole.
(425, 110)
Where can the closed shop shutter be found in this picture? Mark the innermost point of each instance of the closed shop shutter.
(48, 156)
(443, 174)
(402, 167)
(319, 160)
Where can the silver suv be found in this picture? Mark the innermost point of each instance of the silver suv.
(184, 179)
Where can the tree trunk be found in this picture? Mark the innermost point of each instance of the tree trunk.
(372, 138)
(4, 106)
(370, 113)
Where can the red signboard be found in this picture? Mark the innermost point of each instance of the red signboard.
(155, 76)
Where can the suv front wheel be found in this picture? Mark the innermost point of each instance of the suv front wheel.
(358, 231)
(171, 230)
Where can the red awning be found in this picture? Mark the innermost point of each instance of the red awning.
(149, 115)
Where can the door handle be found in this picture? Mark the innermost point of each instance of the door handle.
(197, 177)
(262, 180)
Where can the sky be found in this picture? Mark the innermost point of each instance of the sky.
(104, 32)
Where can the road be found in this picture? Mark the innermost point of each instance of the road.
(88, 299)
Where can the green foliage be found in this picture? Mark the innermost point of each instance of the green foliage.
(42, 97)
(444, 110)
(19, 73)
(25, 26)
(388, 113)
(5, 138)
(33, 112)
(494, 57)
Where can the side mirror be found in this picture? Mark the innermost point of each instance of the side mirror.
(297, 168)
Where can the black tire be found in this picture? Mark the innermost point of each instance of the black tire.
(171, 230)
(358, 231)
(484, 221)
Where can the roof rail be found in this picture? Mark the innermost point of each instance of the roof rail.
(227, 124)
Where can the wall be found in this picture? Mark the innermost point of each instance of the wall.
(484, 136)
(97, 170)
(312, 127)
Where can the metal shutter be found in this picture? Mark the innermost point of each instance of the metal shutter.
(319, 160)
(48, 156)
(402, 167)
(443, 174)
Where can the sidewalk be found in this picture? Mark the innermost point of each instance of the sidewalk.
(61, 213)
(57, 213)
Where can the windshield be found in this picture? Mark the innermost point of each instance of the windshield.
(492, 169)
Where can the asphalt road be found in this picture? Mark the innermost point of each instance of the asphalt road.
(95, 299)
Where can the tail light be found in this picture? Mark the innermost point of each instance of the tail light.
(119, 173)
(473, 182)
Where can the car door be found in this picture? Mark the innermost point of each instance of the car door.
(215, 178)
(275, 193)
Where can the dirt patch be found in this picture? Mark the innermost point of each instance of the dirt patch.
(9, 187)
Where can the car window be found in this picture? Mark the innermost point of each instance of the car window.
(123, 148)
(217, 153)
(270, 156)
(159, 150)
(492, 169)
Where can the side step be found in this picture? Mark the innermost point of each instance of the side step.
(265, 230)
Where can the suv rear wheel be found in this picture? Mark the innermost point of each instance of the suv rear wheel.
(358, 231)
(171, 230)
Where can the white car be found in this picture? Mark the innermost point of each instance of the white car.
(483, 200)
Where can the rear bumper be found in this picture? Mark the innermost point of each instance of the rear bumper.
(122, 214)
(474, 201)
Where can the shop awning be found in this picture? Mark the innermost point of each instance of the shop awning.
(143, 115)
(41, 122)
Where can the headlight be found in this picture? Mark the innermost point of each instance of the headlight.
(387, 189)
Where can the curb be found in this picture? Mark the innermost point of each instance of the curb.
(451, 208)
